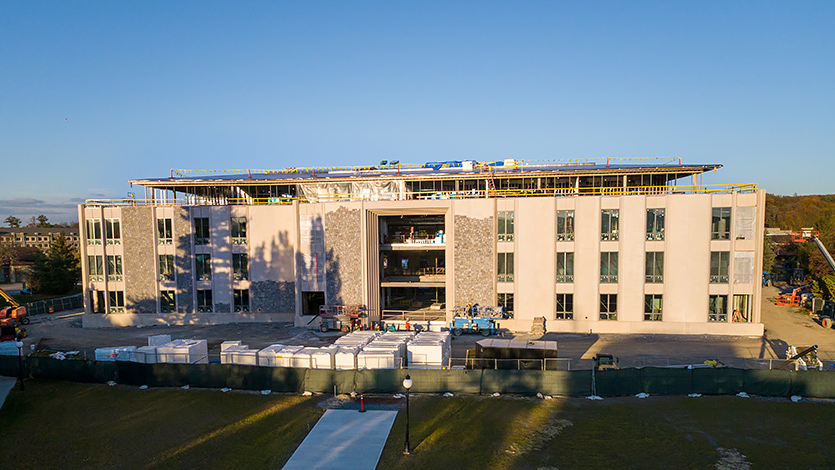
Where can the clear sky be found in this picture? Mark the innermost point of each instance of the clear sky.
(95, 93)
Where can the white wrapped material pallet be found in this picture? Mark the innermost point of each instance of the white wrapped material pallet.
(122, 353)
(146, 354)
(346, 358)
(378, 345)
(286, 358)
(323, 358)
(302, 358)
(239, 354)
(228, 344)
(184, 351)
(427, 355)
(158, 340)
(266, 356)
(378, 359)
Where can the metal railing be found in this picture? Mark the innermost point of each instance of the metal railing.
(60, 304)
(413, 315)
(510, 364)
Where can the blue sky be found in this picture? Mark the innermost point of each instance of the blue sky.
(95, 93)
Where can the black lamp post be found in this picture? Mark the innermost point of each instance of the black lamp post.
(19, 345)
(407, 384)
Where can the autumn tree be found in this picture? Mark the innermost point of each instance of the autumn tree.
(58, 271)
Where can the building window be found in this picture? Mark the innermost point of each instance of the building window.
(166, 267)
(114, 267)
(164, 236)
(98, 301)
(505, 266)
(720, 229)
(719, 261)
(239, 230)
(565, 226)
(655, 224)
(167, 301)
(201, 230)
(240, 268)
(718, 308)
(95, 268)
(505, 226)
(608, 306)
(565, 267)
(203, 266)
(655, 267)
(506, 302)
(241, 300)
(93, 232)
(117, 301)
(609, 224)
(112, 231)
(565, 307)
(609, 267)
(653, 305)
(204, 300)
(741, 312)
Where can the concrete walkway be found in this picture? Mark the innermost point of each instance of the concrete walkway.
(6, 386)
(344, 439)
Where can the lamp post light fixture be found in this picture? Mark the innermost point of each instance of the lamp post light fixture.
(407, 384)
(19, 345)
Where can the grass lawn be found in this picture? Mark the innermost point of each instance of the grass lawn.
(658, 432)
(67, 425)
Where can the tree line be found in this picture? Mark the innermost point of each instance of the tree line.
(40, 221)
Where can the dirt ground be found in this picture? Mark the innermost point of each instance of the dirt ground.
(784, 326)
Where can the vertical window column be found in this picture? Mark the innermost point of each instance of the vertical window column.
(505, 267)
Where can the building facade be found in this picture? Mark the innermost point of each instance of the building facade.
(592, 248)
(37, 237)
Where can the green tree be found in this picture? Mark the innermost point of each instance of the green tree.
(769, 256)
(824, 287)
(58, 271)
(43, 221)
(12, 221)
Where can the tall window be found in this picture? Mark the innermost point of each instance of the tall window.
(609, 267)
(609, 224)
(241, 300)
(201, 230)
(505, 266)
(164, 236)
(112, 231)
(203, 266)
(608, 306)
(741, 312)
(204, 300)
(717, 308)
(565, 307)
(166, 267)
(93, 232)
(655, 224)
(114, 267)
(239, 230)
(117, 301)
(98, 301)
(167, 301)
(720, 229)
(506, 302)
(95, 267)
(655, 267)
(505, 226)
(653, 305)
(719, 261)
(240, 269)
(565, 267)
(565, 226)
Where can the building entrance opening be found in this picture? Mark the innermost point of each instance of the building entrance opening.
(412, 230)
(415, 299)
(311, 301)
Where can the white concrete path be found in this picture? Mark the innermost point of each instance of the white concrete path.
(344, 439)
(6, 386)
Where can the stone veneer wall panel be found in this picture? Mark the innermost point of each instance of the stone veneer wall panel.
(474, 282)
(272, 297)
(183, 260)
(139, 264)
(343, 257)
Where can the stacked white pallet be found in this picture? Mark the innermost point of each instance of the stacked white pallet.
(120, 353)
(323, 358)
(379, 358)
(233, 352)
(429, 350)
(357, 338)
(286, 356)
(302, 358)
(345, 358)
(148, 354)
(158, 340)
(184, 351)
(267, 356)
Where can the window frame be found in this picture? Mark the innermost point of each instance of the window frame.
(167, 307)
(567, 303)
(651, 313)
(164, 231)
(655, 223)
(238, 230)
(116, 299)
(653, 269)
(505, 225)
(97, 262)
(502, 301)
(566, 258)
(718, 215)
(504, 266)
(203, 267)
(610, 221)
(238, 297)
(565, 225)
(202, 232)
(202, 296)
(169, 271)
(712, 315)
(607, 314)
(716, 276)
(240, 266)
(606, 261)
(114, 268)
(93, 225)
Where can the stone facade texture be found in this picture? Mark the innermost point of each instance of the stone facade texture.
(343, 257)
(474, 276)
(139, 263)
(272, 297)
(183, 260)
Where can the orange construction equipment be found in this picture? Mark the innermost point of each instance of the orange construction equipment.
(11, 316)
(793, 299)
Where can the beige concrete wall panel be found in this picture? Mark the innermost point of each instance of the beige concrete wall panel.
(535, 234)
(748, 199)
(272, 243)
(183, 259)
(687, 257)
(139, 259)
(586, 258)
(343, 257)
(631, 258)
(473, 252)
